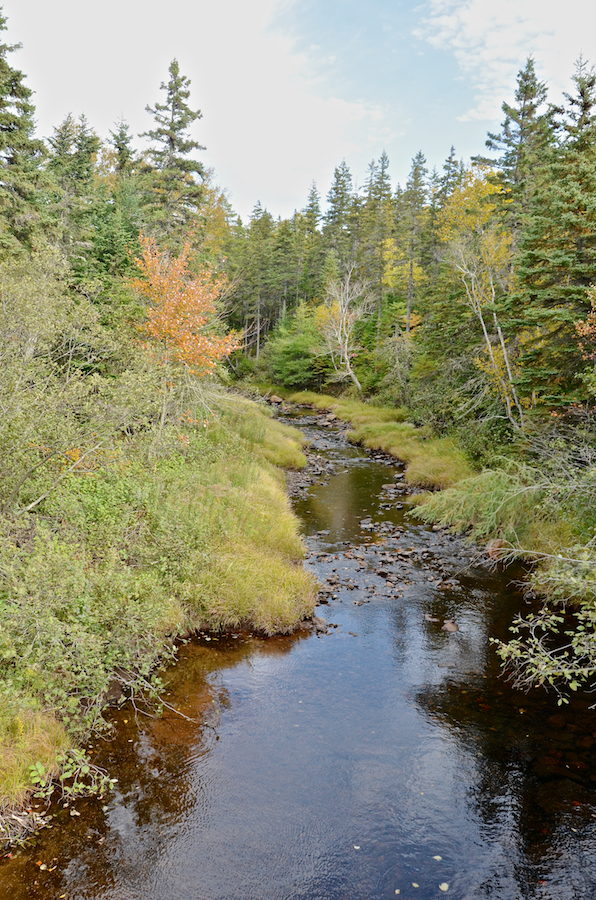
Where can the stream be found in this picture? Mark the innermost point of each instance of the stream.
(378, 756)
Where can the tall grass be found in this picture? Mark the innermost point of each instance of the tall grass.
(186, 528)
(431, 462)
(512, 502)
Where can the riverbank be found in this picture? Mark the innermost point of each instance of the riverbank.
(120, 562)
(431, 462)
(537, 504)
(380, 751)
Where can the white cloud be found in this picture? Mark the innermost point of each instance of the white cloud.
(267, 132)
(491, 42)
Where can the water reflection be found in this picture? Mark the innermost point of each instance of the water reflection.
(383, 755)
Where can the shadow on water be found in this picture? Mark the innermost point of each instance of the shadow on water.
(386, 756)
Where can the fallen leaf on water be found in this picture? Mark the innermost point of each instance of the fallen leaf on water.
(444, 886)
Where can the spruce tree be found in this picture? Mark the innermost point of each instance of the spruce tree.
(338, 228)
(256, 295)
(414, 210)
(285, 265)
(122, 144)
(173, 194)
(453, 170)
(313, 255)
(522, 146)
(377, 228)
(72, 163)
(557, 258)
(22, 207)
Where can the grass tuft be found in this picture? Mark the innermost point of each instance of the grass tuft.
(186, 527)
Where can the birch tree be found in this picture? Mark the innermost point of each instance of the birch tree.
(346, 304)
(480, 250)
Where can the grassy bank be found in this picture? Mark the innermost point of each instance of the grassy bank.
(177, 528)
(431, 462)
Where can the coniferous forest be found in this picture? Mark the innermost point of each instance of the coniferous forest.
(132, 298)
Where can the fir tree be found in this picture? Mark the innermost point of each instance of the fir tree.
(557, 258)
(22, 204)
(338, 228)
(257, 291)
(173, 194)
(453, 170)
(377, 222)
(313, 258)
(522, 145)
(413, 220)
(73, 155)
(122, 143)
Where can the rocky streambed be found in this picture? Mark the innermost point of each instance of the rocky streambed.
(376, 752)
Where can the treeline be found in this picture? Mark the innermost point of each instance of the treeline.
(467, 296)
(476, 276)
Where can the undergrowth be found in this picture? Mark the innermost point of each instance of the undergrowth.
(183, 527)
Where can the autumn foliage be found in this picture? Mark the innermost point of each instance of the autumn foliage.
(586, 330)
(181, 308)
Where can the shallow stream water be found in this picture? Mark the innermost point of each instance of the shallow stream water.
(384, 757)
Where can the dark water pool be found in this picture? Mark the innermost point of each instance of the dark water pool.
(385, 757)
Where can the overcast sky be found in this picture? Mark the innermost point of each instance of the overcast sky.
(288, 88)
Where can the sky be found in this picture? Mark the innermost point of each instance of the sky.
(289, 88)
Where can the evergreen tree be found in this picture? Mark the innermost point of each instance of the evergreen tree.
(413, 221)
(338, 228)
(173, 194)
(313, 256)
(122, 143)
(286, 268)
(453, 170)
(22, 205)
(521, 145)
(557, 258)
(256, 294)
(73, 155)
(377, 223)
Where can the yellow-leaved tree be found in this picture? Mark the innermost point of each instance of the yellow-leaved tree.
(479, 248)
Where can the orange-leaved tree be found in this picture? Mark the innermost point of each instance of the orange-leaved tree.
(181, 314)
(182, 308)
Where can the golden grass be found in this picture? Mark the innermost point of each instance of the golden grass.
(248, 572)
(229, 550)
(255, 586)
(26, 737)
(430, 462)
(279, 444)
